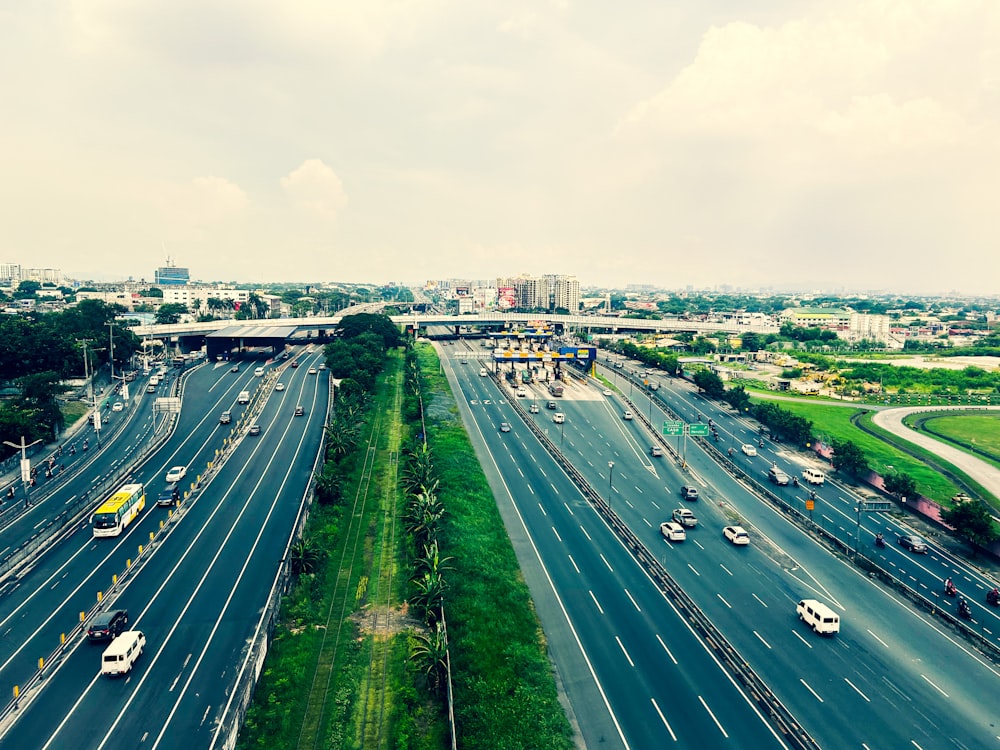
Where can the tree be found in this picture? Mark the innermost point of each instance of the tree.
(710, 383)
(305, 556)
(751, 342)
(971, 520)
(170, 313)
(429, 654)
(352, 326)
(849, 458)
(900, 484)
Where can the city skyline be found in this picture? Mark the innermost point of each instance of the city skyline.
(757, 145)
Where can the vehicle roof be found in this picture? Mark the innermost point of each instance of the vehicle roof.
(103, 618)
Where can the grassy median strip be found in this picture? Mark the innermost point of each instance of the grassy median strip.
(505, 694)
(339, 673)
(352, 685)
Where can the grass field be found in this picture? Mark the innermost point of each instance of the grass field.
(834, 423)
(965, 430)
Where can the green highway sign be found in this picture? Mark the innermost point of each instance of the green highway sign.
(673, 428)
(698, 430)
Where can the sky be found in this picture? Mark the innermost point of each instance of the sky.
(830, 144)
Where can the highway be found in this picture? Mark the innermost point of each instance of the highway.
(646, 678)
(197, 592)
(903, 677)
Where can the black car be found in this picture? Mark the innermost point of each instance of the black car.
(108, 625)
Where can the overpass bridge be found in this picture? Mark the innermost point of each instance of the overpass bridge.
(220, 335)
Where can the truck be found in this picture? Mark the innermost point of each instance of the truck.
(525, 376)
(555, 389)
(244, 397)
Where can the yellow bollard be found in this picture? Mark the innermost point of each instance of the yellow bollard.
(151, 533)
(41, 663)
(17, 691)
(62, 639)
(114, 579)
(128, 563)
(83, 616)
(100, 597)
(140, 551)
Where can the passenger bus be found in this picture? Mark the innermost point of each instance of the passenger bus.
(119, 510)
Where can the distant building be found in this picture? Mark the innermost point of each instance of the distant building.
(196, 298)
(828, 318)
(10, 274)
(171, 275)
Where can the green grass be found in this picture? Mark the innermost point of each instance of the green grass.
(964, 430)
(275, 719)
(505, 694)
(834, 423)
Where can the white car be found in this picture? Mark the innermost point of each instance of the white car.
(505, 427)
(533, 409)
(684, 517)
(312, 370)
(748, 449)
(521, 392)
(736, 534)
(559, 417)
(279, 386)
(673, 532)
(117, 406)
(606, 392)
(656, 451)
(627, 415)
(176, 474)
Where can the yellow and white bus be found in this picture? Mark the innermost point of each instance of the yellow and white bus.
(118, 510)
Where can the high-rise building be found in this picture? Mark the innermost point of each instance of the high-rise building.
(171, 275)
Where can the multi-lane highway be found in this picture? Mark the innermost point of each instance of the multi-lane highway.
(901, 676)
(197, 589)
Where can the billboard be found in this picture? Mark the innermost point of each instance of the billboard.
(505, 298)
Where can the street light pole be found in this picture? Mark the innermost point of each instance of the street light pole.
(611, 474)
(111, 340)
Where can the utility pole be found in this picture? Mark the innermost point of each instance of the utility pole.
(111, 339)
(25, 466)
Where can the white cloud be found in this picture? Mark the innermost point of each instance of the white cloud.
(315, 188)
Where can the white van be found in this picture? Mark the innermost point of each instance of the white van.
(119, 657)
(259, 372)
(155, 380)
(813, 476)
(818, 616)
(243, 398)
(482, 372)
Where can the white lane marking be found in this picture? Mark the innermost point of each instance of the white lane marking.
(599, 608)
(663, 719)
(541, 508)
(606, 562)
(693, 570)
(761, 638)
(802, 639)
(721, 599)
(761, 600)
(810, 690)
(858, 691)
(575, 566)
(666, 649)
(725, 568)
(622, 647)
(556, 533)
(569, 508)
(878, 639)
(724, 733)
(931, 683)
(586, 534)
(634, 603)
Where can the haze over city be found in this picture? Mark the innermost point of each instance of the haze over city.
(841, 144)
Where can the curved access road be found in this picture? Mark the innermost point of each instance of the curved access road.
(984, 473)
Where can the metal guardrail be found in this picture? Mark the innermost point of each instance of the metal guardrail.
(758, 691)
(836, 545)
(242, 695)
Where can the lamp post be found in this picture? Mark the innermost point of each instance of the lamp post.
(611, 473)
